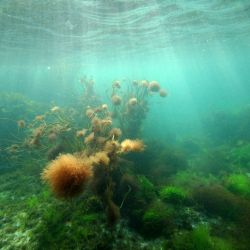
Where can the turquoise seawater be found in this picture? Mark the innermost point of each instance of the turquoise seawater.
(199, 50)
(197, 137)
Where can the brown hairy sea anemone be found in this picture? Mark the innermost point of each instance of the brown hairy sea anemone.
(104, 106)
(55, 109)
(111, 146)
(96, 124)
(34, 142)
(132, 101)
(116, 84)
(52, 136)
(163, 93)
(100, 158)
(90, 138)
(67, 175)
(81, 133)
(39, 117)
(115, 133)
(132, 146)
(90, 113)
(38, 132)
(144, 83)
(154, 86)
(21, 123)
(100, 141)
(116, 100)
(106, 122)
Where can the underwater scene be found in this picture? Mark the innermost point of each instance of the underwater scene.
(125, 124)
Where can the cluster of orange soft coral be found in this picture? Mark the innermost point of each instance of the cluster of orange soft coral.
(68, 174)
(132, 145)
(130, 103)
(98, 145)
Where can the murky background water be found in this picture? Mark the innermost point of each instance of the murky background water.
(198, 50)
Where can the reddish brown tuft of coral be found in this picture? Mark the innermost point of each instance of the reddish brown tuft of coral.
(154, 86)
(90, 138)
(21, 124)
(81, 133)
(132, 101)
(100, 158)
(116, 100)
(163, 93)
(132, 146)
(67, 175)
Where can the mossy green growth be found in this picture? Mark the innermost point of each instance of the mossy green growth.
(158, 219)
(216, 200)
(199, 239)
(221, 244)
(190, 179)
(32, 202)
(146, 187)
(239, 184)
(173, 194)
(241, 156)
(66, 228)
(90, 218)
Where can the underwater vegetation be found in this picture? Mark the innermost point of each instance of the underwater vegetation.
(238, 184)
(213, 161)
(219, 201)
(67, 175)
(85, 144)
(157, 219)
(13, 108)
(228, 127)
(173, 194)
(159, 162)
(104, 186)
(240, 156)
(130, 106)
(199, 239)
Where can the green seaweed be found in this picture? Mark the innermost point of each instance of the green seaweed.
(146, 187)
(158, 219)
(173, 194)
(239, 184)
(199, 239)
(32, 202)
(240, 155)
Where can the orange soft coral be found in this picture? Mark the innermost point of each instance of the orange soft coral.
(115, 133)
(111, 146)
(81, 133)
(163, 93)
(100, 158)
(67, 175)
(154, 86)
(21, 124)
(132, 145)
(116, 100)
(132, 101)
(90, 138)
